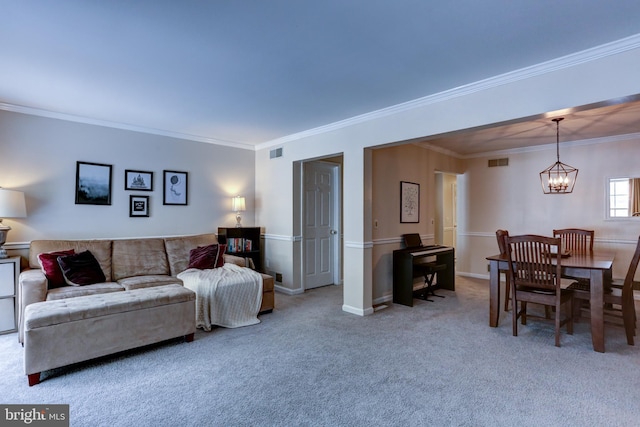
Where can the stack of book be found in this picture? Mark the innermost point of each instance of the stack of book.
(239, 244)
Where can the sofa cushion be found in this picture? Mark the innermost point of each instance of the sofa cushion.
(78, 291)
(139, 282)
(139, 257)
(81, 269)
(178, 249)
(220, 260)
(204, 257)
(51, 269)
(43, 314)
(101, 250)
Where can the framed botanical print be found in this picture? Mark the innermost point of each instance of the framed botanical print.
(93, 183)
(138, 206)
(409, 202)
(138, 180)
(175, 186)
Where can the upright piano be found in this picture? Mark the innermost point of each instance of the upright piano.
(403, 261)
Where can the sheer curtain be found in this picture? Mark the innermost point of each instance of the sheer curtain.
(634, 196)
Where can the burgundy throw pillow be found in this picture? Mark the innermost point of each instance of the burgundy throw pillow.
(221, 251)
(81, 269)
(203, 257)
(49, 263)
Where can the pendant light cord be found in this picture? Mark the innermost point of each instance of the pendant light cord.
(557, 120)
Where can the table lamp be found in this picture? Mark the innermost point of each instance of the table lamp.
(11, 206)
(238, 205)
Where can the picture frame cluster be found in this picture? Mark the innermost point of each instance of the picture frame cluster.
(94, 187)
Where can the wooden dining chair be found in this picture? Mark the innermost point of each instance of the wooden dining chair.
(536, 279)
(501, 236)
(576, 240)
(618, 299)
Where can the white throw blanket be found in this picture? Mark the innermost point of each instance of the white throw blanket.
(229, 296)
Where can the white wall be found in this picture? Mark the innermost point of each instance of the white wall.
(511, 198)
(575, 81)
(38, 156)
(390, 165)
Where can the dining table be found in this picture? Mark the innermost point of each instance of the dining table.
(596, 266)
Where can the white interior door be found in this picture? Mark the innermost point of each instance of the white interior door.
(449, 204)
(320, 231)
(446, 227)
(454, 211)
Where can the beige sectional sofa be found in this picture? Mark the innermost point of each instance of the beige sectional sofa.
(127, 264)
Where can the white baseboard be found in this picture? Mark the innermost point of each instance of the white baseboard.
(288, 291)
(357, 311)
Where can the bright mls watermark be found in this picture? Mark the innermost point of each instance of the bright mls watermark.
(34, 415)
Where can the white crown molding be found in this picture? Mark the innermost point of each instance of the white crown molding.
(592, 54)
(588, 55)
(552, 146)
(530, 149)
(122, 126)
(437, 149)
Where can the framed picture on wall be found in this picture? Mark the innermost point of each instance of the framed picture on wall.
(409, 202)
(138, 180)
(93, 184)
(138, 206)
(175, 185)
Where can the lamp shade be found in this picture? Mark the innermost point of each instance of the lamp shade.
(238, 204)
(12, 204)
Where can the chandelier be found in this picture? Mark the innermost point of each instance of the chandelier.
(559, 178)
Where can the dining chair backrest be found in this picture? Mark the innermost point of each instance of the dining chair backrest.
(576, 240)
(531, 261)
(627, 287)
(501, 236)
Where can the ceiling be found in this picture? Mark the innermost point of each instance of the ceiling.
(246, 72)
(584, 124)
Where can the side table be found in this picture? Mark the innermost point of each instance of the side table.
(9, 272)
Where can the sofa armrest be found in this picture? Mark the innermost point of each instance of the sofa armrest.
(268, 300)
(239, 261)
(32, 287)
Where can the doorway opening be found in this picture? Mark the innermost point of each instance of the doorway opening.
(445, 221)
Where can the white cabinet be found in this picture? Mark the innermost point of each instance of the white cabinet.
(9, 271)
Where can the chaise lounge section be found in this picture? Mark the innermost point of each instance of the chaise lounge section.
(66, 331)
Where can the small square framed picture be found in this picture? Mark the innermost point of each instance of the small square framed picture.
(175, 188)
(138, 206)
(138, 180)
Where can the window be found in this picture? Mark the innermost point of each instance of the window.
(619, 197)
